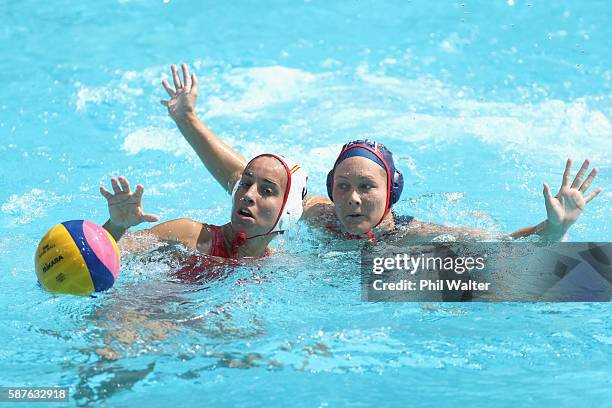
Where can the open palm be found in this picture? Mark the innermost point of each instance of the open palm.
(565, 207)
(125, 206)
(183, 96)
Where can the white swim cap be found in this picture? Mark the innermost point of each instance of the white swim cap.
(292, 207)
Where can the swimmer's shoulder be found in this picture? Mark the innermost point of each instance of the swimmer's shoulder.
(190, 233)
(403, 220)
(409, 226)
(318, 210)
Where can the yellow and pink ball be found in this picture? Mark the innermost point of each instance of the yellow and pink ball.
(77, 257)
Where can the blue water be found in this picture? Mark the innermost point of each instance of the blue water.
(480, 101)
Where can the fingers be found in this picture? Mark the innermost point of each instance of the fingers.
(168, 88)
(194, 84)
(139, 190)
(146, 217)
(115, 185)
(547, 194)
(580, 174)
(107, 194)
(189, 81)
(164, 102)
(125, 184)
(150, 217)
(120, 185)
(548, 197)
(592, 195)
(587, 183)
(186, 78)
(567, 173)
(175, 78)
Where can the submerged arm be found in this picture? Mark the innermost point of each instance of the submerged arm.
(422, 230)
(222, 161)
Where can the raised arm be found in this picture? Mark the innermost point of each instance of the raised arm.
(223, 162)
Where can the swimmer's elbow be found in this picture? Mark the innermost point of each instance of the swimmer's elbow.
(184, 230)
(232, 180)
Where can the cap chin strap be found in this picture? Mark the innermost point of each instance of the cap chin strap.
(381, 218)
(366, 235)
(238, 241)
(241, 239)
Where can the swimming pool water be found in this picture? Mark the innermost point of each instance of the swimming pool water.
(480, 102)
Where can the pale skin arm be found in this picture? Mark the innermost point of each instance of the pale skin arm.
(125, 209)
(224, 163)
(562, 211)
(319, 212)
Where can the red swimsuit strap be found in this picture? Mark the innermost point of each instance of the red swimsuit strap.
(198, 268)
(217, 245)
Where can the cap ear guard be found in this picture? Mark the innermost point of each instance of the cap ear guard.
(305, 189)
(396, 189)
(397, 179)
(330, 184)
(297, 188)
(291, 211)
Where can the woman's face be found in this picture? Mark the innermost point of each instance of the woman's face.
(259, 197)
(360, 194)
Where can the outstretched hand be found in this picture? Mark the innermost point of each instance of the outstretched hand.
(183, 96)
(565, 207)
(125, 206)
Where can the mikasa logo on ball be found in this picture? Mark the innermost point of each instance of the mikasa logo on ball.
(53, 262)
(77, 257)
